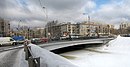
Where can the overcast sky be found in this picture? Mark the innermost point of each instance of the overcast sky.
(31, 13)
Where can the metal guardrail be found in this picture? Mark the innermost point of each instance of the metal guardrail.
(32, 60)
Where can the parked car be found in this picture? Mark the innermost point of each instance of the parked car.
(7, 41)
(43, 40)
(35, 40)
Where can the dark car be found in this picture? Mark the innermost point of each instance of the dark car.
(43, 40)
(35, 41)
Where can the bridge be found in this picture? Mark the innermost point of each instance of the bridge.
(15, 56)
(58, 45)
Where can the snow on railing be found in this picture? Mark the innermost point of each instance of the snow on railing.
(32, 60)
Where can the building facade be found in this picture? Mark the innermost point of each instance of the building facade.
(69, 29)
(83, 29)
(87, 29)
(4, 28)
(123, 27)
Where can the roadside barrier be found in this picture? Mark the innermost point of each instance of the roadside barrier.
(32, 60)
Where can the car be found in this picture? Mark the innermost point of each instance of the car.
(35, 40)
(43, 40)
(7, 41)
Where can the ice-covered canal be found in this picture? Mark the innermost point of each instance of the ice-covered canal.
(117, 54)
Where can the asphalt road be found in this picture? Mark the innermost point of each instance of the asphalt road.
(8, 46)
(8, 58)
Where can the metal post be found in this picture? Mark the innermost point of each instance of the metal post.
(27, 53)
(34, 62)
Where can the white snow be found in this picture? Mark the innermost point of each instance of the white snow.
(117, 54)
(119, 45)
(49, 59)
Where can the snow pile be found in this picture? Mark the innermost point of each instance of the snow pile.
(119, 45)
(49, 59)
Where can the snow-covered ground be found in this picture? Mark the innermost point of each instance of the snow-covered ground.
(114, 54)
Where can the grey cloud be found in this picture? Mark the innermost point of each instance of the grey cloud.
(32, 14)
(61, 4)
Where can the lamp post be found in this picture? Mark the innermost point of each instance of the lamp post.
(88, 21)
(47, 34)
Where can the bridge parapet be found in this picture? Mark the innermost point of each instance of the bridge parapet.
(32, 60)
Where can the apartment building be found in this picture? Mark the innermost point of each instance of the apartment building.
(87, 29)
(123, 27)
(83, 29)
(4, 28)
(69, 29)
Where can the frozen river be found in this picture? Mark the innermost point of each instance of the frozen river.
(115, 55)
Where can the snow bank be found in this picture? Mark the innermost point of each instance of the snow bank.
(49, 59)
(119, 45)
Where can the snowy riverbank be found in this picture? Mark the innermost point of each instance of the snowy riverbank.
(116, 54)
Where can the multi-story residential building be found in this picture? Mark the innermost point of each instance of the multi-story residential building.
(87, 29)
(39, 32)
(4, 27)
(52, 30)
(123, 27)
(83, 29)
(69, 29)
(94, 29)
(105, 29)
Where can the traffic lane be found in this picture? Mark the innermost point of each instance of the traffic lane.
(8, 58)
(9, 46)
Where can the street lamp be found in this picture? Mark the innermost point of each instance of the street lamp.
(88, 17)
(46, 16)
(88, 21)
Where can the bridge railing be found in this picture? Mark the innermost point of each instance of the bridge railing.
(29, 56)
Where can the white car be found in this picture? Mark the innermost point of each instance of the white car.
(7, 41)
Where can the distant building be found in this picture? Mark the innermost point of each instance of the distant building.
(69, 29)
(105, 29)
(55, 30)
(123, 27)
(4, 28)
(38, 32)
(87, 29)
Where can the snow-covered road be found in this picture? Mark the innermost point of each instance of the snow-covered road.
(16, 58)
(8, 59)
